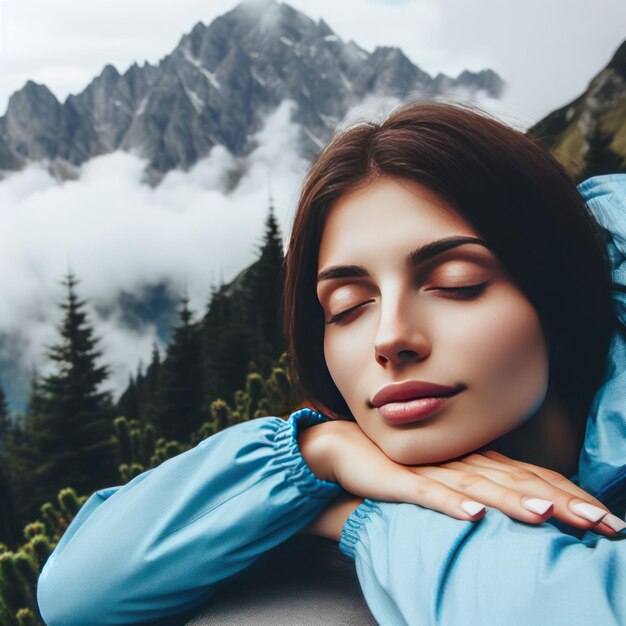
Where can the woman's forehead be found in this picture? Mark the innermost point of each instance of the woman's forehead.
(392, 213)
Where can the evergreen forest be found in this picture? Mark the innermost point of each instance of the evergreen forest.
(227, 366)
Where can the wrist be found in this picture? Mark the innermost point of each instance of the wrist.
(315, 447)
(330, 522)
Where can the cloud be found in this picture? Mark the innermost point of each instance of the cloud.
(120, 235)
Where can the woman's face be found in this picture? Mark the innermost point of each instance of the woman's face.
(403, 326)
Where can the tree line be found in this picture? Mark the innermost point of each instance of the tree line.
(228, 366)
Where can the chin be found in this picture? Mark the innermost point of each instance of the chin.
(406, 453)
(409, 455)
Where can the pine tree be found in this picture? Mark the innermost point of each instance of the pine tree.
(69, 424)
(128, 403)
(264, 286)
(227, 349)
(9, 528)
(212, 326)
(180, 380)
(149, 390)
(5, 422)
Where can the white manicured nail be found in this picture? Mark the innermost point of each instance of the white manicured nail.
(614, 522)
(588, 511)
(472, 507)
(537, 505)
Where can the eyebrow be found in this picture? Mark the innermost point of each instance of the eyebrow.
(415, 257)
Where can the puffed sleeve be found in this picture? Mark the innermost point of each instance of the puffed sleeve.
(160, 544)
(417, 566)
(604, 449)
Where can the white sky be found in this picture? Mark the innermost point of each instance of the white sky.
(119, 234)
(547, 50)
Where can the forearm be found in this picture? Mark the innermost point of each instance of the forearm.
(160, 544)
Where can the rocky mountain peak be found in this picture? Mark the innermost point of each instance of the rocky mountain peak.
(215, 87)
(32, 95)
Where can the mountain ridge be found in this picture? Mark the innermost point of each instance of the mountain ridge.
(592, 127)
(215, 87)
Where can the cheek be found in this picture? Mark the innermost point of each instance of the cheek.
(505, 355)
(345, 353)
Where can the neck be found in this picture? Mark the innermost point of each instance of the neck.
(547, 439)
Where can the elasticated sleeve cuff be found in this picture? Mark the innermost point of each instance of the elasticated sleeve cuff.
(351, 529)
(288, 452)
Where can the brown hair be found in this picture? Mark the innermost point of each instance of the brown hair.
(514, 193)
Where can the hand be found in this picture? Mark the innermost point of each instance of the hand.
(505, 484)
(339, 451)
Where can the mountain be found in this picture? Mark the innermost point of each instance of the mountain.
(216, 87)
(588, 135)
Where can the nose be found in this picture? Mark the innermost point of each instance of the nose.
(401, 337)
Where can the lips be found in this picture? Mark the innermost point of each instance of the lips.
(410, 390)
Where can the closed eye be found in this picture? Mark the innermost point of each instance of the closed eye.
(339, 316)
(468, 292)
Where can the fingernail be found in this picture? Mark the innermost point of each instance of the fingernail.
(614, 522)
(472, 507)
(537, 505)
(588, 511)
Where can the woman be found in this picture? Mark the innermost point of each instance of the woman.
(490, 309)
(540, 362)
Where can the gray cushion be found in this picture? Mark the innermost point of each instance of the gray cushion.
(305, 581)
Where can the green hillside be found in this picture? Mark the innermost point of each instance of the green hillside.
(588, 135)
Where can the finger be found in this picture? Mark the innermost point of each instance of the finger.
(548, 475)
(492, 493)
(409, 487)
(523, 496)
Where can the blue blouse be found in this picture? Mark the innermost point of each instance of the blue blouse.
(162, 543)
